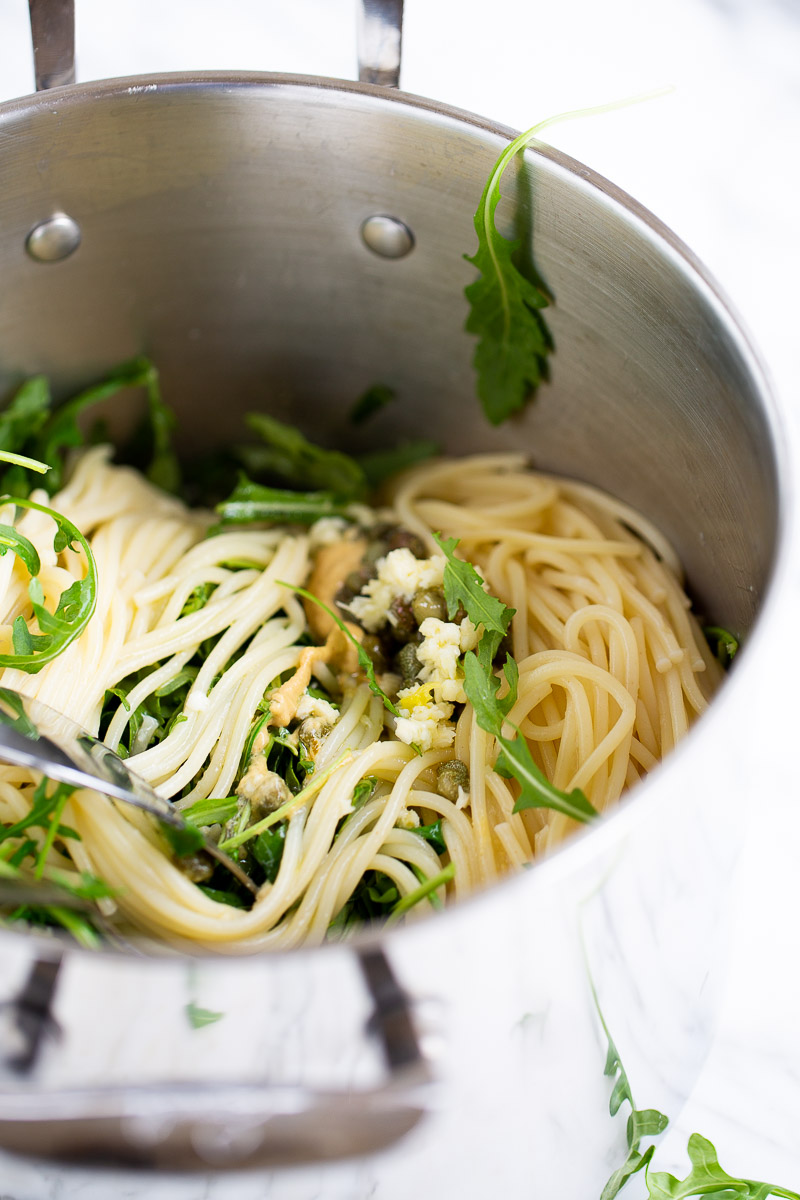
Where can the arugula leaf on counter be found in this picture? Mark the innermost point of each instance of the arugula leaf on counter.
(75, 605)
(371, 402)
(253, 502)
(464, 586)
(707, 1178)
(199, 1017)
(646, 1122)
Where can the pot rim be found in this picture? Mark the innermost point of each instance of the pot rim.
(585, 843)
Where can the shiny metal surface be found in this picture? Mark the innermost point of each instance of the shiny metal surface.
(53, 32)
(221, 220)
(215, 1126)
(54, 239)
(387, 237)
(379, 41)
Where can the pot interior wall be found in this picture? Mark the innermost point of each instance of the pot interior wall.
(220, 234)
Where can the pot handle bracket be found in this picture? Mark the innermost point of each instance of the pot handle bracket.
(379, 35)
(227, 1126)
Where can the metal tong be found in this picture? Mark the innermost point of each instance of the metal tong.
(34, 735)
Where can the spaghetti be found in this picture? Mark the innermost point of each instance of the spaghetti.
(380, 810)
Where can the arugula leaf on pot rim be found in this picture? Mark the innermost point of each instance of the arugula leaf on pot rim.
(506, 299)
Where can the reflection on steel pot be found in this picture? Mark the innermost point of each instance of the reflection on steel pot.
(220, 221)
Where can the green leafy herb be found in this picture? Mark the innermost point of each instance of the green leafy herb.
(223, 897)
(707, 1178)
(371, 402)
(433, 835)
(722, 642)
(33, 427)
(506, 300)
(253, 502)
(516, 762)
(75, 605)
(21, 460)
(380, 465)
(364, 660)
(198, 1017)
(318, 781)
(287, 453)
(183, 840)
(363, 790)
(424, 890)
(209, 811)
(510, 359)
(647, 1122)
(464, 586)
(268, 849)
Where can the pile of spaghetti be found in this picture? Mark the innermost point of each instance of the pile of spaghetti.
(374, 711)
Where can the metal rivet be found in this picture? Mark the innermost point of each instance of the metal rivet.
(387, 236)
(54, 239)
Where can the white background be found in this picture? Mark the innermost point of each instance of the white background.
(717, 161)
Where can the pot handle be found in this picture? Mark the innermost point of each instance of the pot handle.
(222, 1126)
(379, 33)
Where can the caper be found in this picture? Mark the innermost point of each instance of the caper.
(407, 663)
(450, 777)
(374, 648)
(401, 619)
(429, 602)
(197, 867)
(404, 539)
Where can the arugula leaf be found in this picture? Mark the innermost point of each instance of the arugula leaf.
(268, 849)
(707, 1178)
(647, 1122)
(463, 585)
(510, 359)
(253, 502)
(198, 1017)
(364, 660)
(380, 465)
(427, 888)
(433, 835)
(287, 453)
(514, 342)
(187, 839)
(371, 402)
(22, 460)
(209, 811)
(31, 424)
(363, 790)
(11, 539)
(723, 644)
(515, 761)
(75, 606)
(24, 416)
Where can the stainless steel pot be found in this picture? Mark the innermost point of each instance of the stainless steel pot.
(284, 242)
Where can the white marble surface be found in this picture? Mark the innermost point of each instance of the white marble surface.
(717, 161)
